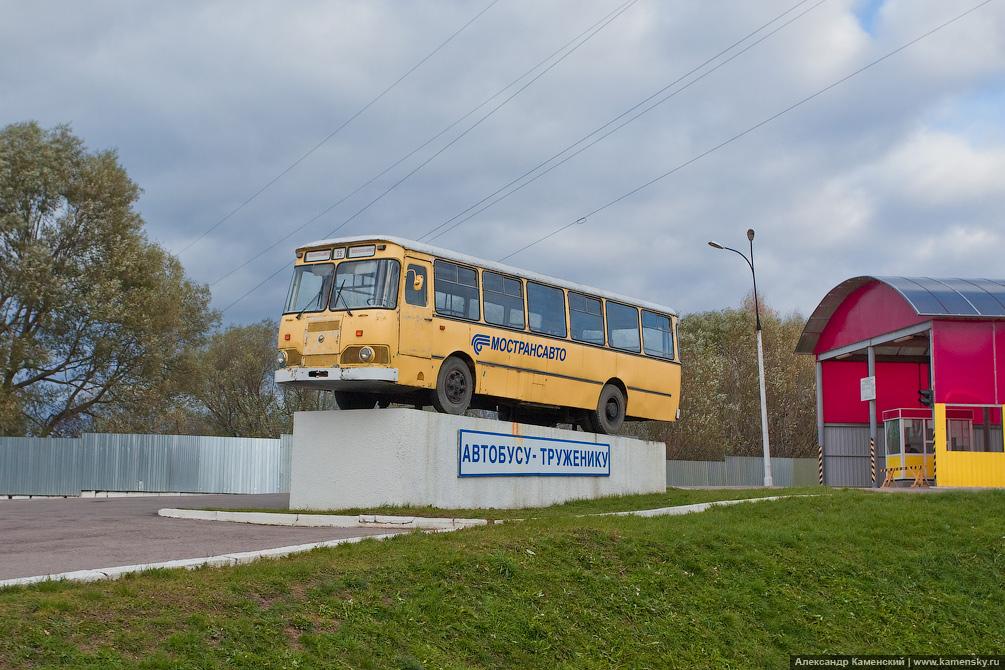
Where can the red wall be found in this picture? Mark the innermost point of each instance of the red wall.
(969, 368)
(871, 310)
(897, 385)
(969, 358)
(969, 361)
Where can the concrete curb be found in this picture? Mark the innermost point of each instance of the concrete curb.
(418, 522)
(681, 510)
(223, 560)
(325, 520)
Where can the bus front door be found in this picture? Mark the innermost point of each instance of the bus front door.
(416, 321)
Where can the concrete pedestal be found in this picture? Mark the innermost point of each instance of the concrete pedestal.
(365, 458)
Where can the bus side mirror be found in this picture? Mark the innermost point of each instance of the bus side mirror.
(417, 280)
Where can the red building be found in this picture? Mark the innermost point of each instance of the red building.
(911, 335)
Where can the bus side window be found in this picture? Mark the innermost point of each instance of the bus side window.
(546, 308)
(587, 318)
(456, 290)
(657, 336)
(622, 327)
(503, 298)
(415, 286)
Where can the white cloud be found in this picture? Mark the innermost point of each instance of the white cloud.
(208, 102)
(941, 169)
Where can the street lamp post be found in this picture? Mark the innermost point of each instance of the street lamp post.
(760, 352)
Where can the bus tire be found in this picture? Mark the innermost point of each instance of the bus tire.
(350, 400)
(610, 412)
(455, 386)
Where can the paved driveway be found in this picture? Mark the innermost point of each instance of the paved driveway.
(40, 537)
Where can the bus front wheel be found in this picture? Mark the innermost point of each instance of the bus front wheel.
(454, 387)
(349, 400)
(610, 412)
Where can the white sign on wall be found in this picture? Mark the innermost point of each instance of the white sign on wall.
(867, 388)
(485, 454)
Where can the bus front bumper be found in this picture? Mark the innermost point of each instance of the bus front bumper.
(337, 378)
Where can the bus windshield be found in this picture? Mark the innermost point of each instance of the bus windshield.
(310, 288)
(363, 284)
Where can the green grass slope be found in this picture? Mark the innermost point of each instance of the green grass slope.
(734, 587)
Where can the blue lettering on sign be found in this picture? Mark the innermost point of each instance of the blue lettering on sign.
(511, 345)
(485, 454)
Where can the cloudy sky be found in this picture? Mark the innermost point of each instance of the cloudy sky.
(900, 170)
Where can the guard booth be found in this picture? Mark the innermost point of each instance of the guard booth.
(910, 376)
(909, 439)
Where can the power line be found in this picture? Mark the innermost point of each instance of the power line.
(492, 111)
(422, 146)
(583, 219)
(333, 133)
(445, 228)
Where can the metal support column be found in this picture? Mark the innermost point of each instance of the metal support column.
(872, 415)
(820, 422)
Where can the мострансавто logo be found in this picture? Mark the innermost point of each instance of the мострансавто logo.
(513, 346)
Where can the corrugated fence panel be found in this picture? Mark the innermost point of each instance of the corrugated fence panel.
(46, 466)
(804, 472)
(156, 463)
(846, 454)
(286, 461)
(742, 471)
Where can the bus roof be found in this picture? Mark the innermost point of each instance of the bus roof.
(447, 254)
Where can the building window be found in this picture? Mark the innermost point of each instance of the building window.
(959, 435)
(546, 306)
(657, 335)
(622, 326)
(456, 289)
(586, 317)
(503, 300)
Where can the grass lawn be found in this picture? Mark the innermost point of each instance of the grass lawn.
(670, 498)
(734, 587)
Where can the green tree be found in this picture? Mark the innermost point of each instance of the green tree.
(720, 407)
(238, 390)
(94, 318)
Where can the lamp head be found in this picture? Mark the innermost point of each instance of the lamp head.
(750, 234)
(715, 245)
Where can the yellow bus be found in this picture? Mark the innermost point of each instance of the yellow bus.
(382, 319)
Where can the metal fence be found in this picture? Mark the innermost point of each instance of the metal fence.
(153, 463)
(742, 471)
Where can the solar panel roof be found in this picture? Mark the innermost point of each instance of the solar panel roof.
(929, 296)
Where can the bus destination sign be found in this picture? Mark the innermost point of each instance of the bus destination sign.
(486, 454)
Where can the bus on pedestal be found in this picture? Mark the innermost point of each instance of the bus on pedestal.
(381, 320)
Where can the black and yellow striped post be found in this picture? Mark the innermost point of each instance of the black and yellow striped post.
(872, 460)
(820, 465)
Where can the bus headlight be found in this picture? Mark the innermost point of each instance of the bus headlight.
(282, 359)
(366, 354)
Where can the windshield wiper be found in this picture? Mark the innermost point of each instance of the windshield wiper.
(338, 294)
(315, 299)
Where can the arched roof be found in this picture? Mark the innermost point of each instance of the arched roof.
(928, 296)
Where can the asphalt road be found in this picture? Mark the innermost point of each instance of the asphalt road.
(41, 537)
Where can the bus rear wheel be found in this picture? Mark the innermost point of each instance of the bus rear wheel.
(455, 387)
(350, 400)
(610, 412)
